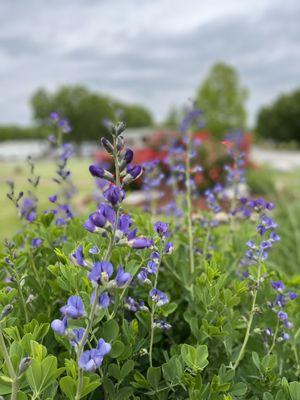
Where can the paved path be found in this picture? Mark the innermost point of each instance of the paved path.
(280, 160)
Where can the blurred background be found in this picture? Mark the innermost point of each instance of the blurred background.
(239, 61)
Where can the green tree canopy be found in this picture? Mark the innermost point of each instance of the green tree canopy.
(222, 98)
(85, 111)
(281, 120)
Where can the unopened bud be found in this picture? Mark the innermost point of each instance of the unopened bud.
(30, 299)
(24, 364)
(120, 127)
(6, 310)
(107, 145)
(120, 142)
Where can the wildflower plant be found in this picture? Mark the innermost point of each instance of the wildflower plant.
(118, 305)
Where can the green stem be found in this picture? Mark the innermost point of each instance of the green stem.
(250, 321)
(189, 203)
(11, 370)
(95, 302)
(23, 303)
(274, 338)
(153, 310)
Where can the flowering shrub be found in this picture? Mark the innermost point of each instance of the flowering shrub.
(119, 306)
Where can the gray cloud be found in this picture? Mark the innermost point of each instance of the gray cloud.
(154, 52)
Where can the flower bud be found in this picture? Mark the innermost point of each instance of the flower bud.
(24, 364)
(100, 172)
(120, 127)
(120, 142)
(107, 145)
(6, 310)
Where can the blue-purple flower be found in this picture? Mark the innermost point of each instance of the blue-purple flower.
(101, 272)
(79, 257)
(60, 326)
(158, 297)
(161, 228)
(114, 194)
(74, 308)
(122, 277)
(91, 360)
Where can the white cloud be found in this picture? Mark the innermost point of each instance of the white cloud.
(152, 51)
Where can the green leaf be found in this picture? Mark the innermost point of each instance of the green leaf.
(256, 360)
(89, 385)
(268, 396)
(294, 389)
(114, 371)
(153, 376)
(117, 349)
(239, 389)
(127, 368)
(110, 330)
(124, 393)
(68, 387)
(195, 357)
(172, 370)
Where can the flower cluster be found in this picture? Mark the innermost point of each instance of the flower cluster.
(74, 309)
(258, 251)
(278, 305)
(61, 199)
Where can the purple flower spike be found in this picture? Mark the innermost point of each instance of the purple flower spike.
(158, 297)
(142, 275)
(78, 256)
(135, 172)
(53, 198)
(282, 316)
(140, 243)
(122, 277)
(103, 347)
(97, 219)
(97, 172)
(124, 223)
(28, 209)
(77, 336)
(89, 226)
(54, 116)
(94, 250)
(60, 326)
(114, 194)
(36, 242)
(278, 285)
(104, 300)
(292, 295)
(162, 228)
(74, 308)
(169, 247)
(101, 272)
(90, 360)
(128, 156)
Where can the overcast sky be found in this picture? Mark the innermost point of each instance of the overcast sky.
(155, 52)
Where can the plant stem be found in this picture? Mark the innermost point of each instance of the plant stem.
(23, 303)
(274, 338)
(189, 203)
(11, 371)
(250, 321)
(153, 310)
(95, 301)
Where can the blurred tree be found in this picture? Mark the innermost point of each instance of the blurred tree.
(281, 120)
(173, 117)
(222, 99)
(85, 111)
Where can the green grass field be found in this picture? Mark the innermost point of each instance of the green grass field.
(18, 172)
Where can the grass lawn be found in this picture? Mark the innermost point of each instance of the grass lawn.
(46, 169)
